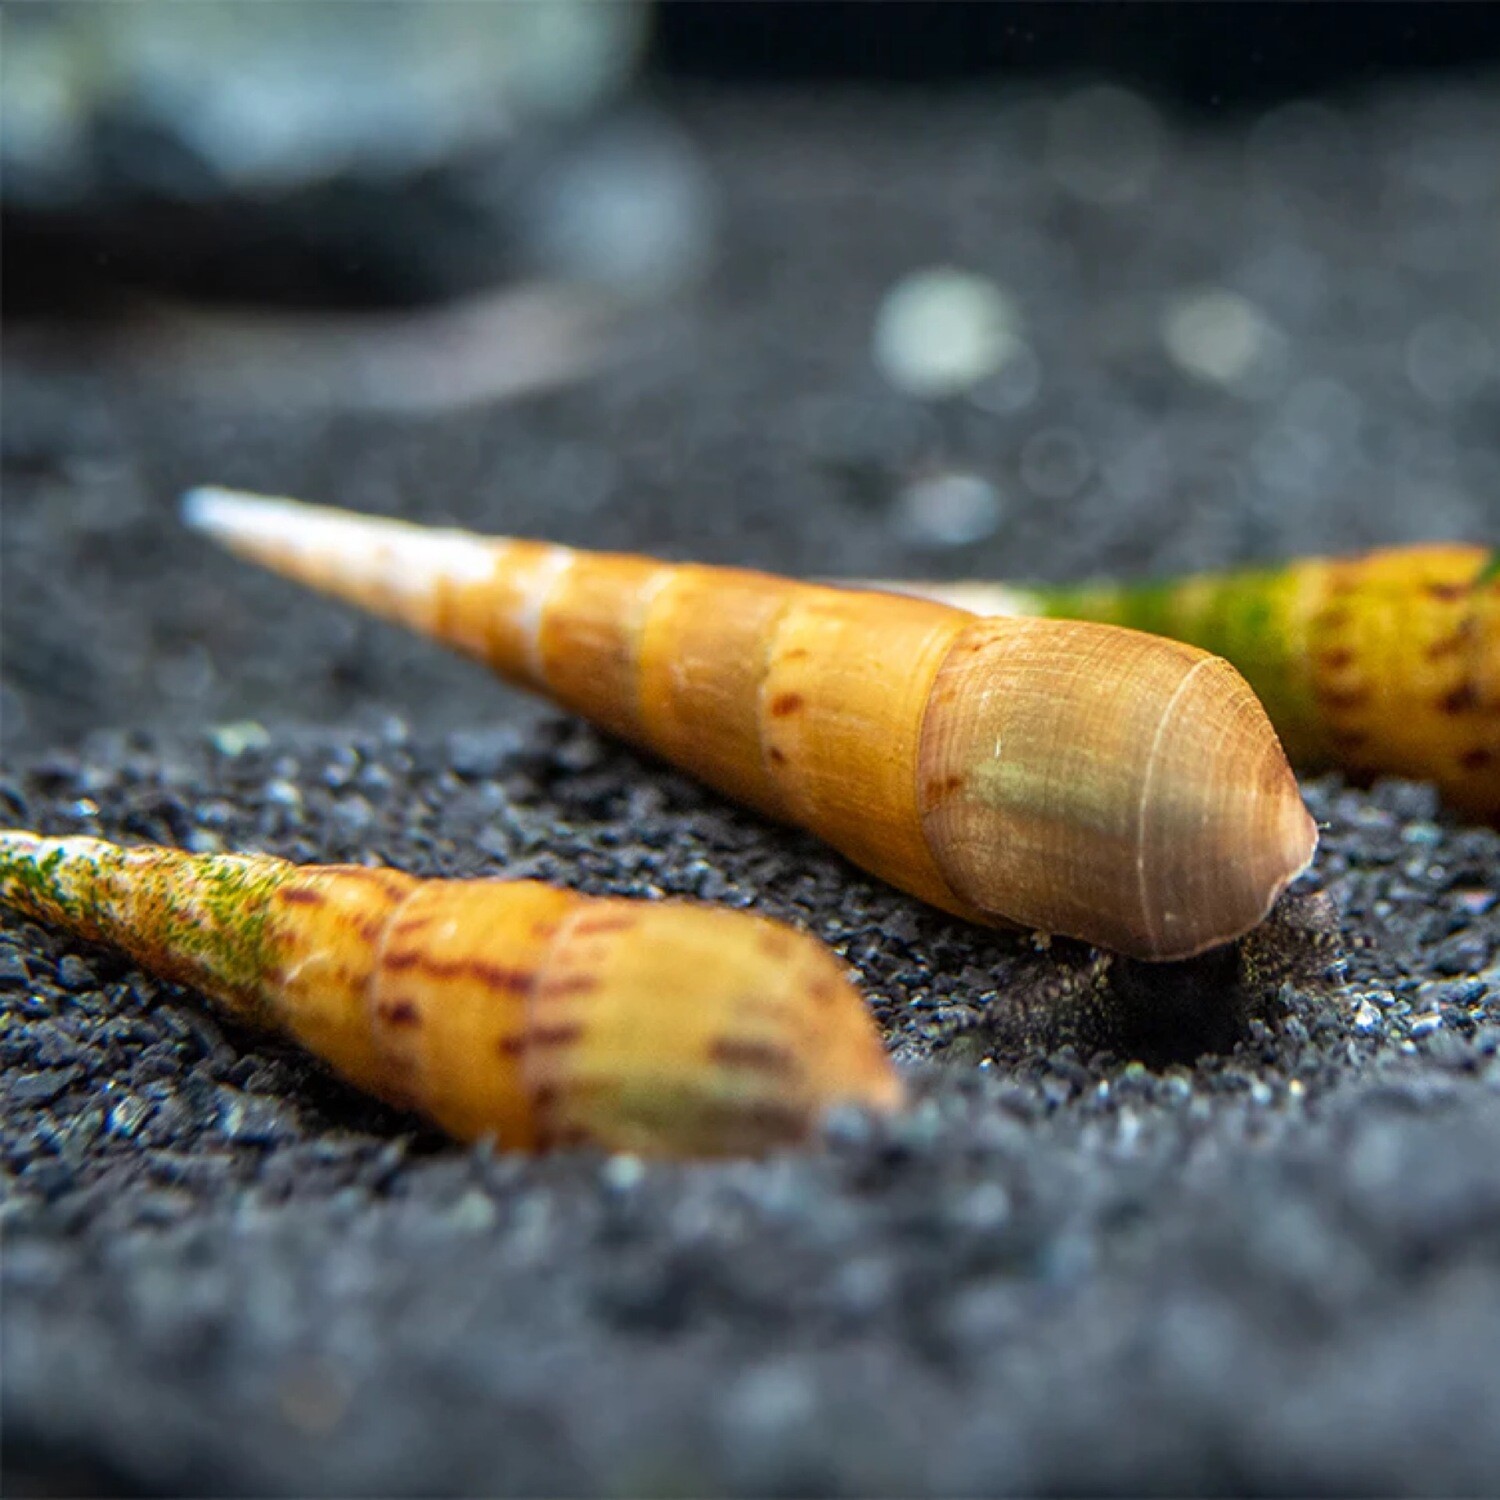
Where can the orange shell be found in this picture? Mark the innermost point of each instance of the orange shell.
(816, 705)
(497, 1008)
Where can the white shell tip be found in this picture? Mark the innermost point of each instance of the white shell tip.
(230, 515)
(206, 505)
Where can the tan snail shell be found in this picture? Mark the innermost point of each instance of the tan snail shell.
(510, 1009)
(1078, 779)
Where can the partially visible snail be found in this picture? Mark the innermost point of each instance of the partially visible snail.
(1381, 664)
(504, 1008)
(1072, 778)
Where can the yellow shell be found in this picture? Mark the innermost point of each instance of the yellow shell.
(1099, 768)
(497, 1008)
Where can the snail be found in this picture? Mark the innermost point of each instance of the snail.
(1077, 779)
(1382, 664)
(511, 1009)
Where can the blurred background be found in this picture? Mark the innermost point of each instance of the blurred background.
(1001, 290)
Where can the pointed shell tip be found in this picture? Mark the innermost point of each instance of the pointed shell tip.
(198, 505)
(231, 516)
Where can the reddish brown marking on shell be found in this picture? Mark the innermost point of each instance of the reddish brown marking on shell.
(1342, 698)
(1349, 740)
(765, 1116)
(1463, 699)
(794, 653)
(544, 929)
(1477, 759)
(511, 1046)
(494, 975)
(300, 895)
(411, 958)
(370, 929)
(560, 1034)
(401, 1011)
(744, 1054)
(786, 703)
(1441, 588)
(778, 757)
(774, 943)
(1335, 658)
(609, 922)
(939, 787)
(497, 977)
(353, 976)
(1450, 645)
(823, 990)
(568, 984)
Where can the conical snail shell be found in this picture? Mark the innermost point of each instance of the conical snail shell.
(1051, 775)
(502, 1008)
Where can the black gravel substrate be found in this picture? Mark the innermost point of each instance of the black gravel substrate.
(1230, 1226)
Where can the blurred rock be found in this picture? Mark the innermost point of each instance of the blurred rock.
(631, 208)
(1449, 361)
(948, 510)
(1056, 463)
(316, 154)
(942, 331)
(1220, 338)
(191, 102)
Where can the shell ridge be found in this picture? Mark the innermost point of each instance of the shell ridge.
(369, 1000)
(556, 944)
(777, 773)
(537, 597)
(1148, 781)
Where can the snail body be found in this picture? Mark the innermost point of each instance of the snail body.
(1074, 778)
(1386, 663)
(511, 1009)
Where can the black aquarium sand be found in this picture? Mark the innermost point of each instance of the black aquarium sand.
(1226, 1226)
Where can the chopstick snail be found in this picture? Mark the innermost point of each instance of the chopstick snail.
(1072, 778)
(510, 1009)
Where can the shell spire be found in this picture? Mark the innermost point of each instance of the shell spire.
(1382, 664)
(1077, 779)
(497, 1008)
